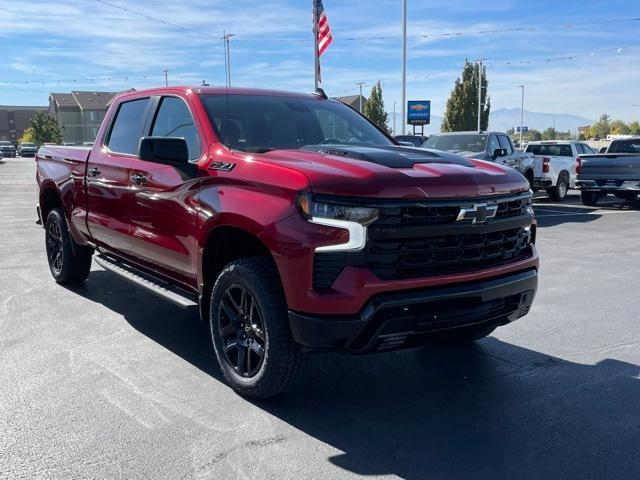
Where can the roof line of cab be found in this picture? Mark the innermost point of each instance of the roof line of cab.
(200, 90)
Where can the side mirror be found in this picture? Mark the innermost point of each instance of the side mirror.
(499, 152)
(167, 150)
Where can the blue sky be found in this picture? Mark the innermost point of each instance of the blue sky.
(59, 42)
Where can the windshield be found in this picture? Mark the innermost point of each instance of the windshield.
(551, 150)
(457, 143)
(625, 146)
(4, 143)
(259, 123)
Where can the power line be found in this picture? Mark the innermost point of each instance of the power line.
(550, 28)
(156, 19)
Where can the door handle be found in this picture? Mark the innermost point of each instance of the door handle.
(139, 179)
(94, 172)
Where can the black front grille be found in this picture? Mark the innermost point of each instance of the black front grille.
(421, 240)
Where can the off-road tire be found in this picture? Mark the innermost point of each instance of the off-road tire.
(282, 360)
(590, 198)
(69, 262)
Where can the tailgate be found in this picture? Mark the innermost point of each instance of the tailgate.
(610, 167)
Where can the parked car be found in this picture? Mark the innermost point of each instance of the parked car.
(87, 144)
(7, 148)
(491, 146)
(27, 149)
(415, 140)
(292, 223)
(554, 165)
(617, 171)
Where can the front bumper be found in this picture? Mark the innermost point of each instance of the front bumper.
(404, 319)
(8, 153)
(609, 185)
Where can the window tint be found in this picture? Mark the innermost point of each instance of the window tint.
(551, 150)
(174, 120)
(259, 123)
(458, 142)
(127, 127)
(493, 144)
(625, 146)
(505, 143)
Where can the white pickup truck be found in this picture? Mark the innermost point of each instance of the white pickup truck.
(554, 165)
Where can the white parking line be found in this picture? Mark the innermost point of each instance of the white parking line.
(556, 213)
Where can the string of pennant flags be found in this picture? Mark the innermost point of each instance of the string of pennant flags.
(119, 78)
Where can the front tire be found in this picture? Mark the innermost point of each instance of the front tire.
(590, 198)
(69, 262)
(250, 330)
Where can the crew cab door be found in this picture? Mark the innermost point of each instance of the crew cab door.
(108, 177)
(163, 210)
(511, 159)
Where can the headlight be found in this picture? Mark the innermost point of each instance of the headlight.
(348, 217)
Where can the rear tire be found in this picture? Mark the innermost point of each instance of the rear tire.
(590, 198)
(250, 330)
(559, 192)
(69, 262)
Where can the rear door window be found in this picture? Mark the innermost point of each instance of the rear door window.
(126, 130)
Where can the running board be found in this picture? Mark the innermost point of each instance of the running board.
(159, 287)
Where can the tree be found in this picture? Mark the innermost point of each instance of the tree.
(601, 128)
(27, 136)
(462, 106)
(549, 134)
(45, 129)
(618, 127)
(634, 128)
(374, 108)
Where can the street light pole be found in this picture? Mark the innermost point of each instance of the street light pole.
(360, 84)
(480, 96)
(166, 77)
(227, 56)
(521, 113)
(394, 118)
(404, 64)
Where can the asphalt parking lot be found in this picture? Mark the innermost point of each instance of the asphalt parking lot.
(108, 381)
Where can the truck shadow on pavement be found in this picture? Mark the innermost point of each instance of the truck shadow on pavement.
(491, 410)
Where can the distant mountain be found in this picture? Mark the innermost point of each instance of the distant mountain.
(505, 118)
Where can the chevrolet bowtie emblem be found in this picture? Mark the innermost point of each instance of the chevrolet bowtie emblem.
(480, 213)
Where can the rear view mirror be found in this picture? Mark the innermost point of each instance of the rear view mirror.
(499, 152)
(167, 150)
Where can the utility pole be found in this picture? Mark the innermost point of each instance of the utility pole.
(521, 113)
(404, 65)
(227, 55)
(360, 84)
(166, 77)
(480, 95)
(394, 118)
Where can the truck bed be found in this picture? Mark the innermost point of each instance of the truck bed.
(59, 152)
(610, 166)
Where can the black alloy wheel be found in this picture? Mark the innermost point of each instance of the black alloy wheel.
(54, 247)
(241, 330)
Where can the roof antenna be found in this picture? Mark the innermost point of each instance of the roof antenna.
(320, 93)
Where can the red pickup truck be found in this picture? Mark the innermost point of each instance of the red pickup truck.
(293, 223)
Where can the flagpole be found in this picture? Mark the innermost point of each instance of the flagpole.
(316, 55)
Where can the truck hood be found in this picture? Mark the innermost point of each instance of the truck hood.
(397, 172)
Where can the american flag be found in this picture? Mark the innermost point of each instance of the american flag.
(324, 31)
